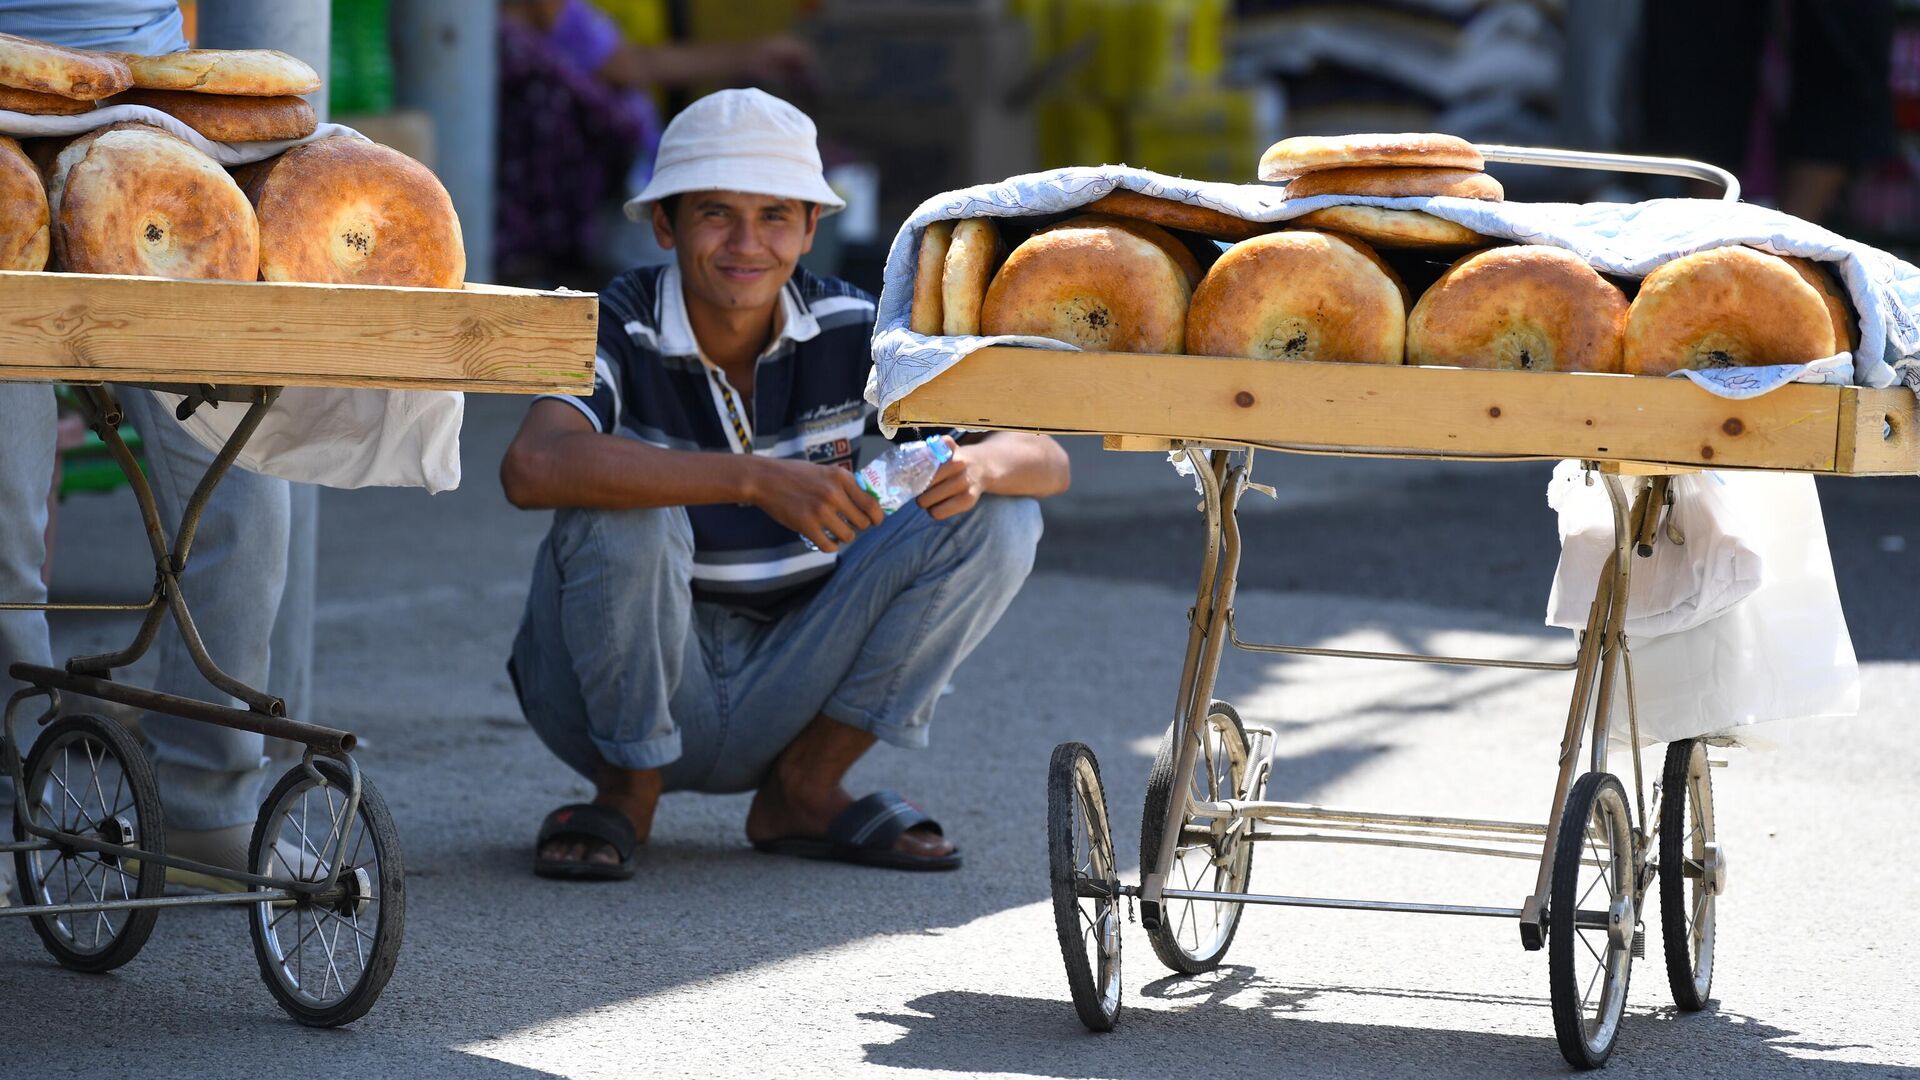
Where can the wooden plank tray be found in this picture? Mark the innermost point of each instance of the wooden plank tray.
(95, 328)
(1421, 411)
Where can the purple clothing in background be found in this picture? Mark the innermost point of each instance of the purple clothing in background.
(587, 37)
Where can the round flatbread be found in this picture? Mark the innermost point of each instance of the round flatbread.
(138, 200)
(1392, 228)
(26, 64)
(247, 72)
(1173, 214)
(1522, 308)
(971, 260)
(225, 118)
(929, 272)
(1180, 253)
(1300, 295)
(1389, 183)
(1846, 328)
(1098, 287)
(343, 210)
(1304, 154)
(24, 236)
(34, 103)
(1726, 307)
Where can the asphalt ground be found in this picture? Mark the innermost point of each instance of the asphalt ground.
(719, 961)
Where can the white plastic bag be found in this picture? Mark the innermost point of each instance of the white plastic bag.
(1680, 586)
(345, 438)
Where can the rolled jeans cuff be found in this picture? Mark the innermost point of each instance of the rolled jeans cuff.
(651, 753)
(904, 736)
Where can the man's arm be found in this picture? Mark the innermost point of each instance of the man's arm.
(558, 460)
(999, 463)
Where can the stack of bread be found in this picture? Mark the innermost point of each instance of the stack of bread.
(131, 197)
(1135, 273)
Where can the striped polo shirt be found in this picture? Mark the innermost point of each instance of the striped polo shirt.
(652, 384)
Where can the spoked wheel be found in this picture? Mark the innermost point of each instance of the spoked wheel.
(1086, 885)
(86, 776)
(1590, 920)
(1193, 935)
(327, 957)
(1692, 872)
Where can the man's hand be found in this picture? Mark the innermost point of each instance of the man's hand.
(957, 487)
(820, 502)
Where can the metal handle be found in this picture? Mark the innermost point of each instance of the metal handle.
(1630, 163)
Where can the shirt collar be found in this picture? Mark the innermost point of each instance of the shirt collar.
(796, 319)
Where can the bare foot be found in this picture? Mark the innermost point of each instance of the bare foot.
(802, 793)
(635, 793)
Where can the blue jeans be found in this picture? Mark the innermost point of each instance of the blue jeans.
(616, 663)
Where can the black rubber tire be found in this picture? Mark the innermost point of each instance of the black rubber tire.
(1166, 945)
(1690, 992)
(1563, 945)
(143, 798)
(383, 949)
(1097, 1013)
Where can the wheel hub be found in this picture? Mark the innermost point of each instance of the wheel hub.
(1713, 869)
(1620, 923)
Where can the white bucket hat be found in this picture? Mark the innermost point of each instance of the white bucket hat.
(738, 140)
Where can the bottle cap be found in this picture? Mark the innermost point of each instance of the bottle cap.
(942, 449)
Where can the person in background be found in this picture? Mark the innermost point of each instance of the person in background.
(250, 580)
(579, 126)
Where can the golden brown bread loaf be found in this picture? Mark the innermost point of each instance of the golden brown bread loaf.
(26, 64)
(346, 211)
(1304, 154)
(1300, 295)
(1846, 329)
(248, 72)
(1392, 183)
(133, 199)
(23, 211)
(1098, 287)
(1725, 307)
(971, 260)
(930, 271)
(1527, 308)
(224, 118)
(35, 103)
(1182, 255)
(1392, 228)
(1173, 214)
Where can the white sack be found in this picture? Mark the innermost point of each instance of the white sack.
(345, 438)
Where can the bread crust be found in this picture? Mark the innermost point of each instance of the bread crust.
(139, 200)
(1846, 328)
(1300, 295)
(1525, 308)
(1098, 287)
(35, 103)
(1725, 307)
(930, 269)
(224, 118)
(24, 233)
(246, 72)
(1392, 228)
(1304, 154)
(971, 260)
(26, 64)
(1173, 214)
(1393, 183)
(1182, 256)
(346, 211)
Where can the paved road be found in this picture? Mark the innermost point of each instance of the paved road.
(718, 961)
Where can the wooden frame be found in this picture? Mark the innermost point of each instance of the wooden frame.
(488, 338)
(1144, 401)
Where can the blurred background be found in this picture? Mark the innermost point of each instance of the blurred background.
(1815, 104)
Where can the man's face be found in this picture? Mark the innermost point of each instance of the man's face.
(736, 251)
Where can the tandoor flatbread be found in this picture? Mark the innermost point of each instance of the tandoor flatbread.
(346, 211)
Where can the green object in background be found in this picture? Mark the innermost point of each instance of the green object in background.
(89, 468)
(361, 56)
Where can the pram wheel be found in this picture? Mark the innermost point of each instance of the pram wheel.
(1692, 872)
(1085, 884)
(1590, 920)
(1193, 935)
(327, 958)
(86, 776)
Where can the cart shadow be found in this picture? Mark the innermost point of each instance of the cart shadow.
(1241, 1024)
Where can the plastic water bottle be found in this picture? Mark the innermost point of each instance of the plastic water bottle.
(898, 476)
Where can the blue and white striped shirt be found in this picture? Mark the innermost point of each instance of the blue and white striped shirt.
(651, 384)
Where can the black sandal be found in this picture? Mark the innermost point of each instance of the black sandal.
(596, 825)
